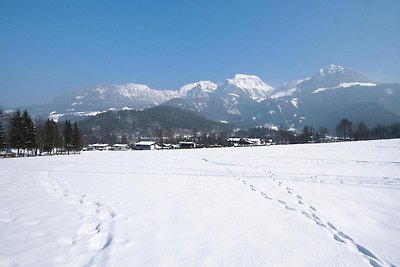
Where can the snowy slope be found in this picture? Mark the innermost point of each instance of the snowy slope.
(334, 93)
(90, 101)
(248, 86)
(333, 77)
(322, 100)
(197, 90)
(237, 100)
(141, 92)
(298, 205)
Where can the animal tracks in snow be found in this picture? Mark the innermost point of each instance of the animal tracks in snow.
(309, 212)
(96, 231)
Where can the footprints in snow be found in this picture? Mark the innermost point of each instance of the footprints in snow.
(311, 213)
(96, 230)
(299, 200)
(97, 226)
(265, 196)
(347, 241)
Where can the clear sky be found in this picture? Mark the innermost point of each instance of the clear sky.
(50, 47)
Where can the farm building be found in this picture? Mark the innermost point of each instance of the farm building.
(99, 147)
(119, 147)
(185, 145)
(145, 145)
(236, 141)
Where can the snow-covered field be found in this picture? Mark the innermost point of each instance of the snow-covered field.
(296, 205)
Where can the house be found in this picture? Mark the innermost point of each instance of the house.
(186, 145)
(145, 145)
(233, 141)
(237, 141)
(167, 146)
(255, 141)
(120, 147)
(99, 147)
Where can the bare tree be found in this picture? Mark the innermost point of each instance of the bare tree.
(362, 131)
(344, 129)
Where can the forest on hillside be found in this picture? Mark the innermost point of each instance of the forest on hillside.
(162, 124)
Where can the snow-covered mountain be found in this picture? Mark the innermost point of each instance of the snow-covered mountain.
(234, 101)
(233, 95)
(247, 86)
(92, 101)
(141, 94)
(197, 90)
(322, 99)
(333, 76)
(334, 93)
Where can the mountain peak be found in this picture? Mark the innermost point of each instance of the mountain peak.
(132, 87)
(248, 86)
(331, 70)
(245, 81)
(333, 75)
(205, 85)
(197, 89)
(239, 76)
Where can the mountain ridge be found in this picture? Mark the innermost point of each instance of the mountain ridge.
(245, 100)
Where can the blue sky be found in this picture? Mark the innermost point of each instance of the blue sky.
(50, 47)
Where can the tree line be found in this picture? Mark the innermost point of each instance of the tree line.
(345, 131)
(30, 138)
(51, 137)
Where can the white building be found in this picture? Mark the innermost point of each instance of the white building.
(145, 145)
(99, 147)
(120, 147)
(255, 141)
(236, 141)
(233, 141)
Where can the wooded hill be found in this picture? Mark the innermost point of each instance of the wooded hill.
(126, 126)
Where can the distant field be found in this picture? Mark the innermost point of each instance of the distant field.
(296, 205)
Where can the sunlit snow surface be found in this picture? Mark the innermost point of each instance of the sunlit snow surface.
(295, 205)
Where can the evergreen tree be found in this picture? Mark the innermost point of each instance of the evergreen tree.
(39, 132)
(48, 136)
(29, 134)
(2, 134)
(16, 131)
(68, 136)
(58, 139)
(76, 138)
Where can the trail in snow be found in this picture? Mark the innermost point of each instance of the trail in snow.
(96, 231)
(309, 212)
